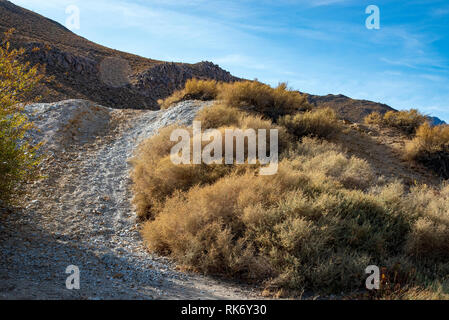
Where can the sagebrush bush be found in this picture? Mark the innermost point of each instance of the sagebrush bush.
(247, 95)
(429, 139)
(18, 159)
(155, 177)
(259, 97)
(218, 116)
(320, 123)
(430, 233)
(194, 89)
(430, 146)
(406, 121)
(294, 227)
(315, 225)
(373, 118)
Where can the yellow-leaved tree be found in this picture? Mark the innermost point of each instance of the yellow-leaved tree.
(18, 159)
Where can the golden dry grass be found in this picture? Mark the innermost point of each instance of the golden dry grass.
(314, 226)
(246, 95)
(406, 121)
(320, 123)
(261, 98)
(430, 146)
(193, 89)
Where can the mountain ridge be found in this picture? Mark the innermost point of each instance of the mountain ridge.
(85, 70)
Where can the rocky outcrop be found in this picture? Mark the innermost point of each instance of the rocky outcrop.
(56, 58)
(111, 81)
(85, 70)
(162, 79)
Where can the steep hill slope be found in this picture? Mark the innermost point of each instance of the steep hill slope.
(85, 70)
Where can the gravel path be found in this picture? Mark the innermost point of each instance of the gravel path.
(81, 215)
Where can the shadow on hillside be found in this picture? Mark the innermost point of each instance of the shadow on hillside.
(33, 264)
(377, 148)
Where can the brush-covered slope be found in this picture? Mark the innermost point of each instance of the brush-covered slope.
(347, 108)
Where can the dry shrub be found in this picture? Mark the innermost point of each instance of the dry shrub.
(156, 177)
(373, 118)
(431, 147)
(221, 117)
(320, 123)
(218, 116)
(406, 121)
(247, 95)
(194, 89)
(256, 227)
(261, 98)
(429, 139)
(328, 161)
(300, 227)
(435, 291)
(315, 225)
(430, 234)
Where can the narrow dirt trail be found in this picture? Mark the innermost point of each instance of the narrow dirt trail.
(81, 215)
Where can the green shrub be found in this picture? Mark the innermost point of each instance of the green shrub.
(18, 158)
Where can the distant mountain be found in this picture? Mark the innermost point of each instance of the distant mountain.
(86, 70)
(435, 121)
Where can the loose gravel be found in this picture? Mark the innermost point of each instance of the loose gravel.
(81, 213)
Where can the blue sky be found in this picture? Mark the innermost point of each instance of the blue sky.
(317, 46)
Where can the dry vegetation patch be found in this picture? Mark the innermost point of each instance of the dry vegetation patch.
(247, 95)
(320, 123)
(194, 89)
(314, 226)
(430, 146)
(406, 121)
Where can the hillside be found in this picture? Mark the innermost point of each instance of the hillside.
(349, 109)
(85, 70)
